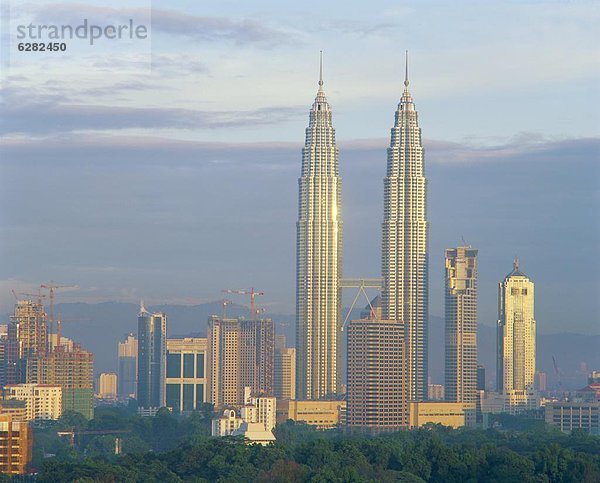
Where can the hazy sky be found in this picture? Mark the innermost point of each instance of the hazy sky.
(166, 168)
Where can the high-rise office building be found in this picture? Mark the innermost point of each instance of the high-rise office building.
(186, 382)
(152, 355)
(318, 257)
(461, 325)
(516, 332)
(285, 369)
(240, 354)
(128, 353)
(376, 391)
(405, 294)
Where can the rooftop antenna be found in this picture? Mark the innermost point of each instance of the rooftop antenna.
(516, 263)
(320, 70)
(406, 69)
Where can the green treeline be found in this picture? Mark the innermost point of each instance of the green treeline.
(171, 449)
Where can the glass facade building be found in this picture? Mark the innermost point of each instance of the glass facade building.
(185, 383)
(152, 352)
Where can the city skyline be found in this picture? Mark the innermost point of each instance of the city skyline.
(90, 232)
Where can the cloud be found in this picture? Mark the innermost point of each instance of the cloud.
(25, 112)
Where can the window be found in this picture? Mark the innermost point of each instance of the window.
(199, 395)
(173, 396)
(200, 365)
(173, 365)
(188, 397)
(188, 365)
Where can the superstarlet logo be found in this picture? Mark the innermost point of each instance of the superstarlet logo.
(39, 33)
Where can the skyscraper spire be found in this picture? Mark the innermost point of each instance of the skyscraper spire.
(516, 264)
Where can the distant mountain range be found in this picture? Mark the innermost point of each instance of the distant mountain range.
(98, 328)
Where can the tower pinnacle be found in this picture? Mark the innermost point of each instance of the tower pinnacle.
(406, 69)
(321, 71)
(516, 264)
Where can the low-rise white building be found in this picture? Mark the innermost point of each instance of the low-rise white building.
(255, 421)
(41, 400)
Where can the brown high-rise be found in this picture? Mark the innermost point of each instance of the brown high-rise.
(15, 446)
(377, 378)
(240, 354)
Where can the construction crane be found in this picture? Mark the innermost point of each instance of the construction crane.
(71, 434)
(51, 287)
(557, 372)
(253, 294)
(225, 303)
(39, 296)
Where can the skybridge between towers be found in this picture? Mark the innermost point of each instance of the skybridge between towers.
(361, 284)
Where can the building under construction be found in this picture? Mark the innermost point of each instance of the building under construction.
(73, 371)
(27, 337)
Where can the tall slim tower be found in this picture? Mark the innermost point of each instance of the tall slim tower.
(516, 332)
(405, 294)
(461, 325)
(128, 356)
(152, 358)
(319, 257)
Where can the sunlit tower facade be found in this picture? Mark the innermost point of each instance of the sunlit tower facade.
(319, 257)
(516, 332)
(405, 266)
(461, 325)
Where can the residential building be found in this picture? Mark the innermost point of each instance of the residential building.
(539, 381)
(14, 408)
(285, 370)
(240, 354)
(319, 257)
(186, 379)
(128, 361)
(255, 421)
(322, 414)
(461, 325)
(107, 385)
(152, 355)
(42, 401)
(405, 252)
(376, 385)
(15, 445)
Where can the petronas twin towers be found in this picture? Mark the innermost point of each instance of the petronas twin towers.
(319, 251)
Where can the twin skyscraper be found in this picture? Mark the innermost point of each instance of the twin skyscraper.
(404, 257)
